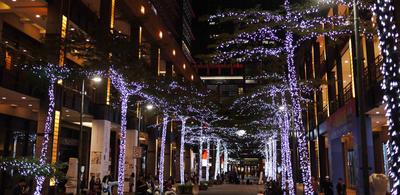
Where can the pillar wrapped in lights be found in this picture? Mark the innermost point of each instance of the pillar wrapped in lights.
(384, 11)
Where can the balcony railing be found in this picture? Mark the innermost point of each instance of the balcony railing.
(378, 65)
(325, 113)
(348, 94)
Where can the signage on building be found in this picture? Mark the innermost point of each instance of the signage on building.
(137, 152)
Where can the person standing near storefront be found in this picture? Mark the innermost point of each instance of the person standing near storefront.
(340, 187)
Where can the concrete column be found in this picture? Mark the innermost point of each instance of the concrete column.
(100, 148)
(151, 155)
(167, 159)
(188, 163)
(130, 161)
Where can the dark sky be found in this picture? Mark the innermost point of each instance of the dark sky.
(206, 7)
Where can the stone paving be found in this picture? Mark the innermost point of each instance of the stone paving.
(232, 189)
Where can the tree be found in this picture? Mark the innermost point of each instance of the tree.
(389, 42)
(260, 38)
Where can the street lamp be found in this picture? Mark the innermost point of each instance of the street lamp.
(149, 107)
(81, 168)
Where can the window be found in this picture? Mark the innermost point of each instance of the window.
(322, 54)
(347, 73)
(325, 97)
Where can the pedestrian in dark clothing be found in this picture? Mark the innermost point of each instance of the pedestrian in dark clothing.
(328, 186)
(341, 187)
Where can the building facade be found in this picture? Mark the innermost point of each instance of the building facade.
(333, 120)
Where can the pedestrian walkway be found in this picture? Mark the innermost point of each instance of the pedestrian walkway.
(232, 189)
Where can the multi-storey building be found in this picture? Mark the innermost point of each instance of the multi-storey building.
(333, 122)
(160, 33)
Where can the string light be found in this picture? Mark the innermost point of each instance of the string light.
(225, 157)
(217, 160)
(52, 73)
(182, 150)
(207, 160)
(162, 152)
(389, 43)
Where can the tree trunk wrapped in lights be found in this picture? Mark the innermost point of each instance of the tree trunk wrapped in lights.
(208, 160)
(384, 11)
(162, 152)
(182, 151)
(46, 136)
(217, 160)
(52, 73)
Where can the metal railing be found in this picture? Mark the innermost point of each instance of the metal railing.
(347, 92)
(378, 65)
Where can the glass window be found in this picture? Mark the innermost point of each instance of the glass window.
(325, 97)
(322, 54)
(347, 73)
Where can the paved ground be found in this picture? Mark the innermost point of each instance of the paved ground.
(231, 189)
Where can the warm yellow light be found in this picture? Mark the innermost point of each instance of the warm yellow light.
(108, 92)
(4, 6)
(112, 15)
(160, 34)
(184, 66)
(192, 77)
(55, 136)
(173, 52)
(142, 9)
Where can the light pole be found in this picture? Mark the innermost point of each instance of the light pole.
(80, 167)
(360, 100)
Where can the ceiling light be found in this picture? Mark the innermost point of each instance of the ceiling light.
(66, 110)
(30, 105)
(378, 122)
(14, 0)
(142, 9)
(14, 105)
(377, 112)
(3, 98)
(184, 66)
(37, 16)
(23, 97)
(160, 34)
(173, 52)
(67, 115)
